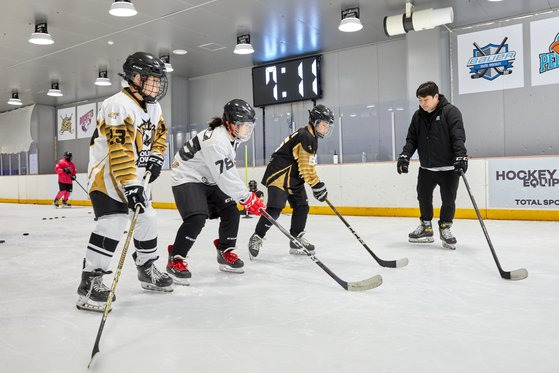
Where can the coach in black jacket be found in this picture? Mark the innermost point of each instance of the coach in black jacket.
(437, 133)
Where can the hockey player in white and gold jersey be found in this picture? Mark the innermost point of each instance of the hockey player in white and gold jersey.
(129, 140)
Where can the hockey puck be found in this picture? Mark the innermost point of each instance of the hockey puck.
(50, 218)
(44, 218)
(26, 234)
(63, 217)
(56, 217)
(2, 241)
(89, 212)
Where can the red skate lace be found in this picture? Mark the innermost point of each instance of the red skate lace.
(178, 264)
(230, 256)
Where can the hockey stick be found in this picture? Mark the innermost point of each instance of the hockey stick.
(519, 274)
(86, 194)
(117, 275)
(367, 284)
(384, 263)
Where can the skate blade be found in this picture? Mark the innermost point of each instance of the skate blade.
(300, 252)
(85, 304)
(422, 240)
(180, 281)
(152, 287)
(225, 268)
(449, 246)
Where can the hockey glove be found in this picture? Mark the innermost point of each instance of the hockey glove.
(319, 191)
(134, 193)
(403, 164)
(461, 164)
(68, 170)
(253, 204)
(155, 163)
(73, 177)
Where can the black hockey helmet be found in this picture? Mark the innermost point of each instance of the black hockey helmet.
(68, 156)
(237, 113)
(321, 113)
(146, 65)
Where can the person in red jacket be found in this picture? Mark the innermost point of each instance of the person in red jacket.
(66, 171)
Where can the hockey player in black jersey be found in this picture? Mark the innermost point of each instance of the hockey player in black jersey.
(291, 166)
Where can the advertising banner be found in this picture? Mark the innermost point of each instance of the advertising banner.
(491, 60)
(87, 120)
(66, 124)
(524, 183)
(544, 46)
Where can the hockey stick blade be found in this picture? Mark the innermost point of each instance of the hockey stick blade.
(518, 274)
(93, 359)
(367, 284)
(399, 263)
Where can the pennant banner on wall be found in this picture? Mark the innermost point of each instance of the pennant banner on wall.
(491, 60)
(66, 124)
(544, 47)
(87, 120)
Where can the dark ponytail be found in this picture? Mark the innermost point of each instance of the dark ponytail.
(216, 122)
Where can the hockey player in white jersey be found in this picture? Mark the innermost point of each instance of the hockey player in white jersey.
(206, 184)
(128, 141)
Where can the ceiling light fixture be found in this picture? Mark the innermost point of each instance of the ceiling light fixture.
(54, 90)
(243, 45)
(15, 99)
(350, 20)
(103, 79)
(122, 8)
(417, 21)
(167, 61)
(41, 35)
(179, 51)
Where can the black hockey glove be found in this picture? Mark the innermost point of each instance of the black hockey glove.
(403, 164)
(155, 163)
(461, 164)
(135, 195)
(73, 177)
(68, 170)
(319, 191)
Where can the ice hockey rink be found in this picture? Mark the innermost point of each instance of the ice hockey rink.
(447, 311)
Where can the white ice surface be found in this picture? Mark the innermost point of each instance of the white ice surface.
(448, 311)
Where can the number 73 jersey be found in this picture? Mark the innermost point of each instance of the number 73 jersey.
(209, 158)
(125, 136)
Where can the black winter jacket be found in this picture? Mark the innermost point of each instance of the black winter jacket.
(438, 136)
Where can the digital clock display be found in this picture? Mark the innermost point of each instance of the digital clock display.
(287, 81)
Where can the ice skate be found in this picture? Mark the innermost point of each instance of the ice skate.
(65, 204)
(177, 268)
(151, 278)
(228, 260)
(295, 250)
(422, 234)
(55, 203)
(449, 241)
(254, 245)
(93, 294)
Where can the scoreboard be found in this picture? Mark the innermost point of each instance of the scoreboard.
(287, 81)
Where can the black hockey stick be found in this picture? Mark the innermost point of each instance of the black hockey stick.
(385, 263)
(519, 274)
(367, 284)
(117, 275)
(86, 194)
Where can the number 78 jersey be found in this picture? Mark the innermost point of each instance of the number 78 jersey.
(209, 158)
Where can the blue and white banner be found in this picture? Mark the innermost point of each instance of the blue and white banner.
(523, 183)
(544, 46)
(491, 60)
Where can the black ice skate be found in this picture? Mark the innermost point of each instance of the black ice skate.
(254, 245)
(150, 277)
(65, 204)
(177, 268)
(55, 203)
(449, 241)
(228, 260)
(295, 250)
(422, 234)
(93, 293)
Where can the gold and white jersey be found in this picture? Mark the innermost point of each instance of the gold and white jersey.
(125, 136)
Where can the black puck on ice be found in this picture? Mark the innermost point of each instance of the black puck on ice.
(63, 217)
(26, 234)
(50, 218)
(56, 217)
(44, 218)
(89, 212)
(2, 241)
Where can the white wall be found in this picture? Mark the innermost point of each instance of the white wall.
(356, 185)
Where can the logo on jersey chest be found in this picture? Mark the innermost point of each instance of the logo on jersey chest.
(144, 139)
